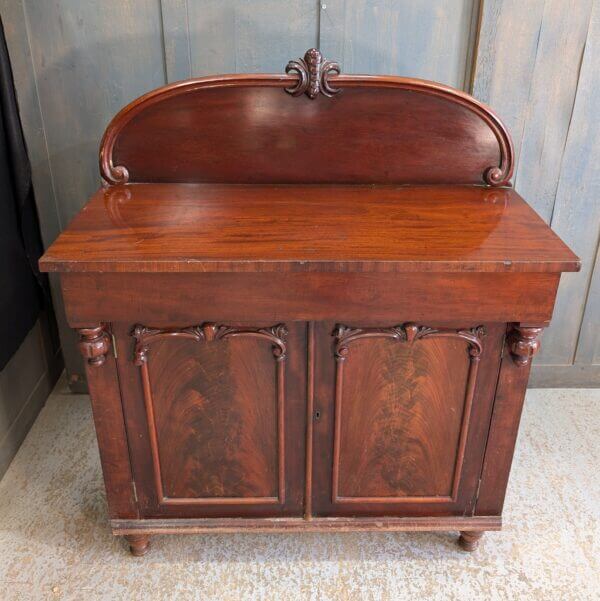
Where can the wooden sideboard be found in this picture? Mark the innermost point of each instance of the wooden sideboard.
(307, 302)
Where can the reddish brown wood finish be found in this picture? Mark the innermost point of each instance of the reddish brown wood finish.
(402, 434)
(308, 228)
(504, 427)
(138, 544)
(168, 298)
(402, 421)
(217, 426)
(280, 334)
(215, 413)
(413, 131)
(94, 343)
(103, 385)
(378, 524)
(469, 539)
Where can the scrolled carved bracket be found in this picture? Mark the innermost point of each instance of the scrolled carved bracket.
(207, 332)
(94, 344)
(111, 174)
(313, 75)
(524, 344)
(409, 333)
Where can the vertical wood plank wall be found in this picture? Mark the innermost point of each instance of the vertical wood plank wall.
(537, 63)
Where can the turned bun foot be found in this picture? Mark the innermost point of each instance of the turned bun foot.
(469, 539)
(138, 543)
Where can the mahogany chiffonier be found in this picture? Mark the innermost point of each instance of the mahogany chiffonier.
(307, 301)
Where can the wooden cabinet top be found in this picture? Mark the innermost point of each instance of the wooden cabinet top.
(307, 171)
(220, 227)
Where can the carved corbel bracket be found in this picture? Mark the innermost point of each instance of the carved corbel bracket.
(523, 343)
(94, 344)
(313, 75)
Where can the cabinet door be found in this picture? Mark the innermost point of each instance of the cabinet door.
(401, 417)
(215, 418)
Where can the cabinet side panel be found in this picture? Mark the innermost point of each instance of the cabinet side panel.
(504, 427)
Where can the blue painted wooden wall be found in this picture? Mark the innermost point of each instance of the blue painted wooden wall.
(537, 63)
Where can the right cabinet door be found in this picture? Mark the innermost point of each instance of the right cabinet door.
(401, 416)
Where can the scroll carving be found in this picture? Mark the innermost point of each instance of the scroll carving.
(94, 344)
(111, 174)
(408, 332)
(523, 343)
(208, 332)
(313, 75)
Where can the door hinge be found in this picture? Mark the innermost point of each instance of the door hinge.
(114, 345)
(133, 487)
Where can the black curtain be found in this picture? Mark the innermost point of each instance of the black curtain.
(23, 290)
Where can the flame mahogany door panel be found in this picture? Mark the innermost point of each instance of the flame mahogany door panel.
(401, 417)
(215, 416)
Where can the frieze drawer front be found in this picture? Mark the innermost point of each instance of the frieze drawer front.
(302, 310)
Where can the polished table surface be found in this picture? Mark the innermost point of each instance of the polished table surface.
(218, 227)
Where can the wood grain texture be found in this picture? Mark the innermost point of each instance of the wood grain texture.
(215, 416)
(400, 411)
(311, 417)
(588, 348)
(463, 142)
(549, 107)
(401, 37)
(227, 36)
(505, 60)
(215, 227)
(389, 524)
(503, 430)
(537, 63)
(225, 419)
(18, 33)
(164, 299)
(112, 438)
(222, 419)
(75, 64)
(176, 39)
(524, 50)
(576, 215)
(397, 399)
(77, 98)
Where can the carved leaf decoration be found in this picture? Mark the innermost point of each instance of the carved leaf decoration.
(408, 332)
(208, 332)
(313, 75)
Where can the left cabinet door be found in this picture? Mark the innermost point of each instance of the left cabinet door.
(215, 417)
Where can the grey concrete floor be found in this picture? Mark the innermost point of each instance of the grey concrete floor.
(55, 542)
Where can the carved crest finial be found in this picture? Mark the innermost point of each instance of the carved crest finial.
(313, 75)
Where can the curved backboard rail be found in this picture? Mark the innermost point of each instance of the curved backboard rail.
(311, 125)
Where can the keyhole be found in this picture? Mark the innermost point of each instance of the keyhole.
(317, 415)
